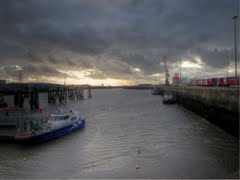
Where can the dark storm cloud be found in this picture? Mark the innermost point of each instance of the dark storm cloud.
(126, 34)
(142, 60)
(215, 57)
(32, 23)
(30, 70)
(64, 61)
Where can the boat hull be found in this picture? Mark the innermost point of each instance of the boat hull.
(171, 101)
(52, 134)
(155, 92)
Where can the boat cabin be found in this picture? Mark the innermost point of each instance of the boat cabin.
(11, 116)
(61, 117)
(11, 120)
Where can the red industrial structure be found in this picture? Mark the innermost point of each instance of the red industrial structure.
(175, 79)
(222, 81)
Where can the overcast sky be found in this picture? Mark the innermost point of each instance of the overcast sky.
(115, 41)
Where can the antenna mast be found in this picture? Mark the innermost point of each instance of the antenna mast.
(166, 71)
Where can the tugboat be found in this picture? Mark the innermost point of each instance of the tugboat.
(169, 99)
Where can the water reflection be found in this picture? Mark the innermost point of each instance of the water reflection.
(173, 142)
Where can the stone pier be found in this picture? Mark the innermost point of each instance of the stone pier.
(219, 105)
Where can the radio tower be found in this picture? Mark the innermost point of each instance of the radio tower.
(166, 72)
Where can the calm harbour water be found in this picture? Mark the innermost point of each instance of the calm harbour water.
(173, 143)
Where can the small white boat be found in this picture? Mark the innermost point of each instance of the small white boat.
(155, 91)
(168, 99)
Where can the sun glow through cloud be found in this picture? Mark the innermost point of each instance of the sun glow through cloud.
(82, 77)
(156, 75)
(137, 69)
(188, 64)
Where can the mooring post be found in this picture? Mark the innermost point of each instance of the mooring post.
(16, 99)
(36, 99)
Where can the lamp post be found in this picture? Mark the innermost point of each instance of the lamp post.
(198, 73)
(180, 66)
(227, 65)
(235, 35)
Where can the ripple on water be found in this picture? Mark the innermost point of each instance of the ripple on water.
(125, 128)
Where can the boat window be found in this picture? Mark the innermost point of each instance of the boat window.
(59, 118)
(55, 118)
(73, 118)
(66, 117)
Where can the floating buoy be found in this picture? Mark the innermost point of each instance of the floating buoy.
(137, 167)
(89, 95)
(138, 150)
(25, 159)
(89, 92)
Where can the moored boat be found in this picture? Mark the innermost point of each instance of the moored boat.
(17, 127)
(155, 91)
(168, 99)
(57, 125)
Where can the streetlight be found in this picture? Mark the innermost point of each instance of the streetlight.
(180, 77)
(235, 34)
(227, 65)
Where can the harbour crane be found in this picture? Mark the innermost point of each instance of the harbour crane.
(166, 71)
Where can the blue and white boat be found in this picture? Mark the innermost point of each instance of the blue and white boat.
(57, 125)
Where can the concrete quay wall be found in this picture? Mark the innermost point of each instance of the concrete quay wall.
(218, 105)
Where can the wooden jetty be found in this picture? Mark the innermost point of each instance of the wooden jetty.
(31, 92)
